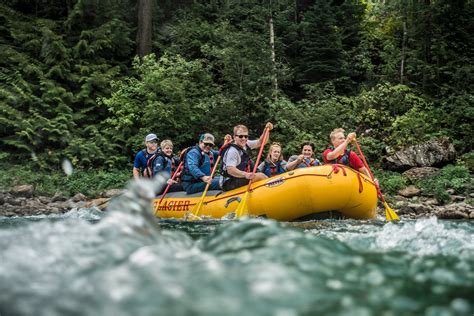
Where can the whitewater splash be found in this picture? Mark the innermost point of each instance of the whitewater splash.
(125, 264)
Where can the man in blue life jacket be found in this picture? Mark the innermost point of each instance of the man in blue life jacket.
(305, 159)
(198, 163)
(141, 158)
(236, 163)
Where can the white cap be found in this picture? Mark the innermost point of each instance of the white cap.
(150, 137)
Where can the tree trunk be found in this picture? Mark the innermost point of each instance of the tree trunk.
(402, 62)
(274, 68)
(145, 27)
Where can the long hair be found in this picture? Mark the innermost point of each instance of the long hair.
(273, 145)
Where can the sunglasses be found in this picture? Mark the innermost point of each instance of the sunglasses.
(153, 142)
(208, 144)
(242, 136)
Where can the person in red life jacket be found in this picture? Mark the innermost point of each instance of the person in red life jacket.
(165, 162)
(237, 167)
(141, 158)
(305, 159)
(274, 164)
(340, 154)
(198, 163)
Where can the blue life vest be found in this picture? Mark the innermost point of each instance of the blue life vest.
(342, 160)
(186, 175)
(271, 169)
(308, 162)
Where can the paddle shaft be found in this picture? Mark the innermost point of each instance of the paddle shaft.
(264, 140)
(199, 205)
(180, 166)
(366, 165)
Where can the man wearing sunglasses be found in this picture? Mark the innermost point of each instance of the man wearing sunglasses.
(198, 164)
(237, 166)
(141, 158)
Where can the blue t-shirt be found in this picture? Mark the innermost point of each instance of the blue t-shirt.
(141, 158)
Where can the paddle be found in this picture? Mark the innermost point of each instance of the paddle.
(180, 166)
(242, 208)
(389, 213)
(198, 207)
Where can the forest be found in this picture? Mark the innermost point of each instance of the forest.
(86, 80)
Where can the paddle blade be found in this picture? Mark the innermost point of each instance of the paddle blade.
(242, 209)
(191, 217)
(390, 214)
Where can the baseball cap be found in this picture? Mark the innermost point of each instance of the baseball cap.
(207, 138)
(150, 137)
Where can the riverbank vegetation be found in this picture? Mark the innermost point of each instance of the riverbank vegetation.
(86, 80)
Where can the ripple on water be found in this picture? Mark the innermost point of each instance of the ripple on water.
(125, 264)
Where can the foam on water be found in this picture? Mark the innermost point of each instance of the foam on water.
(125, 264)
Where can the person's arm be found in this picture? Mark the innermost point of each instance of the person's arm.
(136, 173)
(233, 171)
(261, 167)
(339, 150)
(136, 165)
(231, 160)
(260, 140)
(294, 161)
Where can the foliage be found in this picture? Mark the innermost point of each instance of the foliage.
(165, 96)
(46, 182)
(454, 177)
(70, 85)
(390, 182)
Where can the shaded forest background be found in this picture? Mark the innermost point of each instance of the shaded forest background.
(87, 79)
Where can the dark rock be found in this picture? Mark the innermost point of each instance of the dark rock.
(79, 197)
(436, 152)
(455, 211)
(44, 199)
(418, 208)
(457, 198)
(25, 190)
(112, 193)
(58, 196)
(409, 191)
(415, 174)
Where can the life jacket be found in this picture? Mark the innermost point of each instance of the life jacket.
(150, 158)
(202, 158)
(271, 169)
(343, 160)
(246, 164)
(312, 162)
(150, 164)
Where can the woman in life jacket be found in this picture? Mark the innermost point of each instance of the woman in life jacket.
(165, 162)
(305, 159)
(274, 164)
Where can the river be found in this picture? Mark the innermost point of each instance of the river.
(125, 262)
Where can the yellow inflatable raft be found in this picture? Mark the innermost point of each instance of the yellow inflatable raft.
(300, 194)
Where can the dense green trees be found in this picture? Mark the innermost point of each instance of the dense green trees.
(398, 72)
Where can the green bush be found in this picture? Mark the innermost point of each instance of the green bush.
(46, 182)
(390, 182)
(455, 177)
